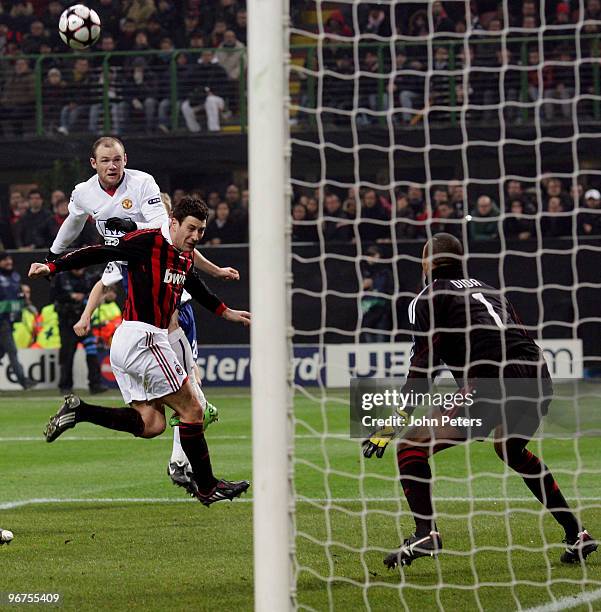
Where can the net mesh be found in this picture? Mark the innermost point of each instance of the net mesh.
(408, 119)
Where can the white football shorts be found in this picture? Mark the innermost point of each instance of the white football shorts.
(144, 363)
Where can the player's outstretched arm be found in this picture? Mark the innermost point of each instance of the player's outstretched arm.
(204, 264)
(82, 327)
(70, 229)
(236, 316)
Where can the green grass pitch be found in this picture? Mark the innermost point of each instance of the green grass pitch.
(96, 519)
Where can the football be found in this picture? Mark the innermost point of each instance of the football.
(79, 26)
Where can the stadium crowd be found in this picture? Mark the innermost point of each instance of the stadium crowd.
(208, 82)
(32, 220)
(522, 213)
(139, 83)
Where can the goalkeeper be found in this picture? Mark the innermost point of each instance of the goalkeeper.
(464, 324)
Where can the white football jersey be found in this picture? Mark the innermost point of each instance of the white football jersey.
(137, 198)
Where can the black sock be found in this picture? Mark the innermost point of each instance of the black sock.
(540, 481)
(193, 442)
(416, 478)
(119, 419)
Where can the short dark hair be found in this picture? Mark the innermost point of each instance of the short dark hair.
(190, 206)
(445, 249)
(106, 141)
(33, 192)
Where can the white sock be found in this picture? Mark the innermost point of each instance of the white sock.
(177, 453)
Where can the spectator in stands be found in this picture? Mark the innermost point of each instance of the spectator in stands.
(126, 38)
(403, 226)
(445, 220)
(210, 79)
(213, 199)
(441, 20)
(17, 205)
(108, 11)
(439, 196)
(502, 83)
(223, 229)
(139, 11)
(302, 232)
(168, 16)
(33, 40)
(335, 226)
(576, 195)
(233, 198)
(418, 24)
(374, 224)
(54, 97)
(140, 45)
(21, 15)
(36, 229)
(415, 195)
(186, 81)
(50, 18)
(57, 195)
(81, 91)
(457, 197)
(376, 21)
(139, 96)
(516, 226)
(553, 188)
(377, 285)
(371, 93)
(17, 100)
(11, 304)
(335, 24)
(554, 224)
(225, 10)
(312, 208)
(593, 10)
(217, 33)
(155, 32)
(590, 217)
(116, 107)
(563, 86)
(408, 88)
(484, 223)
(230, 55)
(241, 25)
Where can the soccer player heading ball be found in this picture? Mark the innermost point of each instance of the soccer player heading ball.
(160, 266)
(464, 324)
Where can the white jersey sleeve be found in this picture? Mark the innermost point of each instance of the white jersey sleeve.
(151, 206)
(112, 274)
(71, 226)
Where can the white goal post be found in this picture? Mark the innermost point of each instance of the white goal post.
(269, 288)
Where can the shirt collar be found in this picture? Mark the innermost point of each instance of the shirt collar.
(165, 232)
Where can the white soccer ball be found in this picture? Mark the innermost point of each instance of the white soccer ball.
(79, 26)
(6, 536)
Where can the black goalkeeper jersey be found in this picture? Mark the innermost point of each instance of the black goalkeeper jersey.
(466, 325)
(157, 275)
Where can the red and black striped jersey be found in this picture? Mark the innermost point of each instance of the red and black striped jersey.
(157, 274)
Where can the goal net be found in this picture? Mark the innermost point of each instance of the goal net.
(479, 119)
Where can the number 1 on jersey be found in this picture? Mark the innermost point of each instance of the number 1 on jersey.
(496, 318)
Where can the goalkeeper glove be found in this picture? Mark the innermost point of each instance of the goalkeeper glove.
(116, 224)
(381, 438)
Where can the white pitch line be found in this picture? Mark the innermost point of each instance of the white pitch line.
(124, 438)
(568, 602)
(316, 500)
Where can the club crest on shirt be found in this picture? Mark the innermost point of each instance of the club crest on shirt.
(127, 204)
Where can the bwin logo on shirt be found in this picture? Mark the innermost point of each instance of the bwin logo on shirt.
(175, 278)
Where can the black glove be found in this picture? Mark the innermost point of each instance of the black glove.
(115, 224)
(50, 256)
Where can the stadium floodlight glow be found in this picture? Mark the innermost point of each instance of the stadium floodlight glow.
(269, 291)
